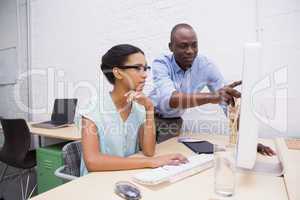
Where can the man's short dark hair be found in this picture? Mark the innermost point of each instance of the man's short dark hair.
(115, 56)
(177, 27)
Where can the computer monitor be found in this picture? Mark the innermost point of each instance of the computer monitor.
(248, 128)
(249, 121)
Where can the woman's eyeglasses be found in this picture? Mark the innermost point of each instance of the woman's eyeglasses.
(140, 68)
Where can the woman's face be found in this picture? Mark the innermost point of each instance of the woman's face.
(135, 76)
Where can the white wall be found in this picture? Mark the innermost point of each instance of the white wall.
(279, 32)
(72, 35)
(69, 37)
(13, 34)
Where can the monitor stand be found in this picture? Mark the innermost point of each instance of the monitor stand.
(266, 165)
(265, 168)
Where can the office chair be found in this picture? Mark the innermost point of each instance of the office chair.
(15, 151)
(71, 157)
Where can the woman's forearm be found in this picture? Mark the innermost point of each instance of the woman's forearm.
(149, 136)
(110, 163)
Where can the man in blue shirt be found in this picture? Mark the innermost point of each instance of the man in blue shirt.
(179, 78)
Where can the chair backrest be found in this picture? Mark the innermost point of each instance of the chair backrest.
(16, 140)
(72, 157)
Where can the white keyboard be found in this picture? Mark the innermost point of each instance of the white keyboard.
(173, 173)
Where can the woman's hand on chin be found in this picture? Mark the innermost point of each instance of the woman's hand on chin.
(140, 98)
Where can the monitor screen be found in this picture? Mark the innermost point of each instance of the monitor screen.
(64, 111)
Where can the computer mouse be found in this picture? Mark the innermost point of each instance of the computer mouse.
(127, 190)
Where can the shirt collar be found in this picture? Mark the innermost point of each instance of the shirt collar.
(177, 68)
(175, 65)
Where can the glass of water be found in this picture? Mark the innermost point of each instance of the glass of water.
(224, 170)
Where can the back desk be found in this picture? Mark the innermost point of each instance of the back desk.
(71, 132)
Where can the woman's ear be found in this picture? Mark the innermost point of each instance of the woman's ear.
(117, 73)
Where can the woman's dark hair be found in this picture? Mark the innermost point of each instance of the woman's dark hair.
(115, 56)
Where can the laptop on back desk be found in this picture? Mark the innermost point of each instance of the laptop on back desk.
(62, 115)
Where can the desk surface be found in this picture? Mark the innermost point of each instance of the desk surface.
(291, 162)
(70, 132)
(292, 174)
(100, 185)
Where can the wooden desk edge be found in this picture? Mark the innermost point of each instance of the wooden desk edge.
(57, 133)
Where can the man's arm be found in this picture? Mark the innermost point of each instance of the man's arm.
(170, 98)
(183, 100)
(223, 95)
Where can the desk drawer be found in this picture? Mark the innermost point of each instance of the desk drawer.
(48, 160)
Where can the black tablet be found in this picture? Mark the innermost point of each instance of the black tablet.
(200, 146)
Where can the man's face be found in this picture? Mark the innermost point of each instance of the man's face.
(184, 46)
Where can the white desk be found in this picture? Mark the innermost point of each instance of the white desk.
(100, 185)
(291, 163)
(70, 132)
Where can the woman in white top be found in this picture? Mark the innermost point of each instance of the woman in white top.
(124, 123)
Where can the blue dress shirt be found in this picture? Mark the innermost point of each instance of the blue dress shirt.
(169, 77)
